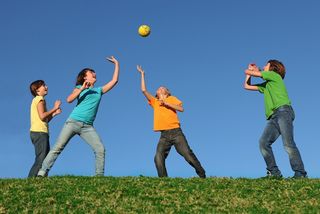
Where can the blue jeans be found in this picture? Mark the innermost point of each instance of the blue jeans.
(281, 123)
(176, 138)
(87, 133)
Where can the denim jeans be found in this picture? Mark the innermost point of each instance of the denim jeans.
(40, 140)
(87, 133)
(281, 123)
(176, 138)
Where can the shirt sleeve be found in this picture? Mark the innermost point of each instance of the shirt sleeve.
(38, 99)
(268, 75)
(152, 101)
(262, 87)
(173, 100)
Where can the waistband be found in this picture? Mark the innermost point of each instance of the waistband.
(283, 108)
(171, 130)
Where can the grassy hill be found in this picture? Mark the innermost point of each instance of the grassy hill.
(70, 194)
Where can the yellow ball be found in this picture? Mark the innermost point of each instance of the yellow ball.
(144, 30)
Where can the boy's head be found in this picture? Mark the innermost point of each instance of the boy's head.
(38, 88)
(86, 74)
(278, 67)
(162, 91)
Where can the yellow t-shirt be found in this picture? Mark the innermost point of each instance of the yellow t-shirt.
(37, 125)
(165, 118)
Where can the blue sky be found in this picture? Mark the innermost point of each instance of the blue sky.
(198, 49)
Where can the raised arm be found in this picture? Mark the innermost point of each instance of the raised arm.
(107, 87)
(48, 115)
(143, 84)
(247, 84)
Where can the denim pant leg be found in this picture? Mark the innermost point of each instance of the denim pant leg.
(162, 153)
(269, 136)
(90, 136)
(285, 121)
(183, 148)
(41, 144)
(69, 129)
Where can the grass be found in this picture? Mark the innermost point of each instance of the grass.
(71, 194)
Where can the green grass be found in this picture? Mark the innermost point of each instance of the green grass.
(70, 194)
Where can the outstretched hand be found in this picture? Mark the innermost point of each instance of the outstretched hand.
(112, 59)
(139, 68)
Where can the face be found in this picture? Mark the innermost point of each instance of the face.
(266, 67)
(162, 91)
(42, 90)
(90, 77)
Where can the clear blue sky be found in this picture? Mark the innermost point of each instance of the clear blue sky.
(198, 49)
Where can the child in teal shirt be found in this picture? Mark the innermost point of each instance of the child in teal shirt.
(279, 114)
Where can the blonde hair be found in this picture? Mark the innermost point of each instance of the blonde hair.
(166, 89)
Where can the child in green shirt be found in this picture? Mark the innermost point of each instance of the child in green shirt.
(279, 114)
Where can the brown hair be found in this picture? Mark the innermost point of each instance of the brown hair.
(82, 74)
(277, 67)
(35, 85)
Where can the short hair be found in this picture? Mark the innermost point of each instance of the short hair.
(35, 85)
(277, 67)
(82, 75)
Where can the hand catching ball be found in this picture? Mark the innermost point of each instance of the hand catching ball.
(144, 30)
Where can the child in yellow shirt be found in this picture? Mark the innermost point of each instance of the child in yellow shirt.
(40, 117)
(166, 121)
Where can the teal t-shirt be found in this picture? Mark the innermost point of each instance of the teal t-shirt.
(87, 106)
(275, 92)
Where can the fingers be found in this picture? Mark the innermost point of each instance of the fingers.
(139, 68)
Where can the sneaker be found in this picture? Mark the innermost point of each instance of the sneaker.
(272, 176)
(299, 176)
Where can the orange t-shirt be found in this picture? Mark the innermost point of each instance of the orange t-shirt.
(165, 118)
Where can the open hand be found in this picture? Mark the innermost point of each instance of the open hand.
(112, 59)
(139, 68)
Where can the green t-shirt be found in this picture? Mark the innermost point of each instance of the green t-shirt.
(275, 92)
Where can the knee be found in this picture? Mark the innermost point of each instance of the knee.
(101, 150)
(158, 158)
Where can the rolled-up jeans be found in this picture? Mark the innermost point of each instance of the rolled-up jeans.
(176, 138)
(87, 133)
(281, 123)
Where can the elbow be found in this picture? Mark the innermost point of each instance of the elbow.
(69, 100)
(42, 118)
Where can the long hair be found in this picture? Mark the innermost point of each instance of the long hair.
(35, 85)
(82, 74)
(167, 90)
(277, 67)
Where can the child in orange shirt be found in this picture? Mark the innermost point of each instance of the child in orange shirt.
(167, 122)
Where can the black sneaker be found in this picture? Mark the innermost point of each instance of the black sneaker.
(272, 176)
(299, 176)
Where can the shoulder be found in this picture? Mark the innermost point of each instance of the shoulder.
(38, 99)
(270, 75)
(174, 99)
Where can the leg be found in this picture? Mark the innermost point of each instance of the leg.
(67, 132)
(162, 153)
(41, 144)
(269, 136)
(90, 136)
(286, 128)
(182, 147)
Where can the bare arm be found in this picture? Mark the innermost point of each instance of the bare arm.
(107, 87)
(172, 106)
(247, 84)
(143, 84)
(48, 115)
(76, 92)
